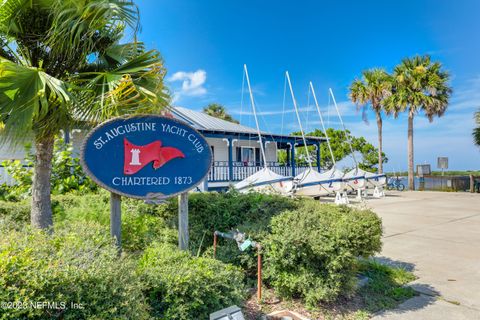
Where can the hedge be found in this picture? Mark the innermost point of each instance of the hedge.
(312, 251)
(310, 248)
(78, 264)
(14, 214)
(178, 286)
(141, 223)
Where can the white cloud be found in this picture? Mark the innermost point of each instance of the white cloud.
(192, 83)
(269, 113)
(346, 108)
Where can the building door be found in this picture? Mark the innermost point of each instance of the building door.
(248, 155)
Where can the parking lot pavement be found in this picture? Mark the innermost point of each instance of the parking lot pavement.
(437, 234)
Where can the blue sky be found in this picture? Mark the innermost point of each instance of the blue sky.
(206, 43)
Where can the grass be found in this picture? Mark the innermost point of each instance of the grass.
(386, 286)
(385, 290)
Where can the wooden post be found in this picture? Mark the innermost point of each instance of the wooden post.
(215, 245)
(183, 221)
(116, 218)
(472, 184)
(259, 273)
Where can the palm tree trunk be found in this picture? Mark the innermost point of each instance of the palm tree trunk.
(411, 182)
(41, 211)
(380, 142)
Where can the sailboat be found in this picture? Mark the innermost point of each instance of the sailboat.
(378, 180)
(264, 180)
(358, 179)
(339, 186)
(311, 182)
(355, 178)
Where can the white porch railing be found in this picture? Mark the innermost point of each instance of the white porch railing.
(220, 170)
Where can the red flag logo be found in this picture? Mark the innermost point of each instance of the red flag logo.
(137, 157)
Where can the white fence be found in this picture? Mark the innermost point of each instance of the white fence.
(5, 177)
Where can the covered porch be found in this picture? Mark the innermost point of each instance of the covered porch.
(236, 168)
(236, 149)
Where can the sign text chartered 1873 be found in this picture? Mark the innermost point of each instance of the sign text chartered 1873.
(146, 156)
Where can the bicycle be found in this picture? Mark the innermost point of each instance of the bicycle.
(395, 183)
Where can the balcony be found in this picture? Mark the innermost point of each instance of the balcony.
(220, 171)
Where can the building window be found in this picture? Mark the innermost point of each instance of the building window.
(248, 154)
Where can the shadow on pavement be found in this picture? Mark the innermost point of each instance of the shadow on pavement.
(426, 294)
(394, 263)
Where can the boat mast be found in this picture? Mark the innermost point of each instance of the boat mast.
(321, 121)
(299, 122)
(344, 129)
(255, 116)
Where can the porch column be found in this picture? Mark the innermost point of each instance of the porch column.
(66, 135)
(293, 160)
(265, 144)
(230, 159)
(318, 156)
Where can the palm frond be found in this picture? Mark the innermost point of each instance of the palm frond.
(420, 84)
(374, 87)
(28, 98)
(136, 86)
(476, 136)
(476, 131)
(79, 25)
(9, 11)
(121, 53)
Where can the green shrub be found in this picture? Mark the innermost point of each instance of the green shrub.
(67, 173)
(140, 225)
(78, 264)
(140, 230)
(14, 214)
(89, 208)
(23, 177)
(312, 251)
(226, 211)
(179, 286)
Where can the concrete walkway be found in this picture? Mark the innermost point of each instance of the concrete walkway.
(437, 235)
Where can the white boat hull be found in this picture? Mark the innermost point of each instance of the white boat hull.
(376, 181)
(265, 181)
(280, 187)
(314, 184)
(357, 183)
(320, 189)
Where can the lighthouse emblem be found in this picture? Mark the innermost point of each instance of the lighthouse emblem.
(135, 157)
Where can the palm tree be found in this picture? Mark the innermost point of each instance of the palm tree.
(61, 62)
(476, 131)
(374, 86)
(218, 111)
(419, 85)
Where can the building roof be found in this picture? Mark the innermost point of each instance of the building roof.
(204, 122)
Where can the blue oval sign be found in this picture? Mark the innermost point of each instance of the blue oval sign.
(146, 157)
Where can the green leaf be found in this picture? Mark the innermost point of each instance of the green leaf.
(27, 96)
